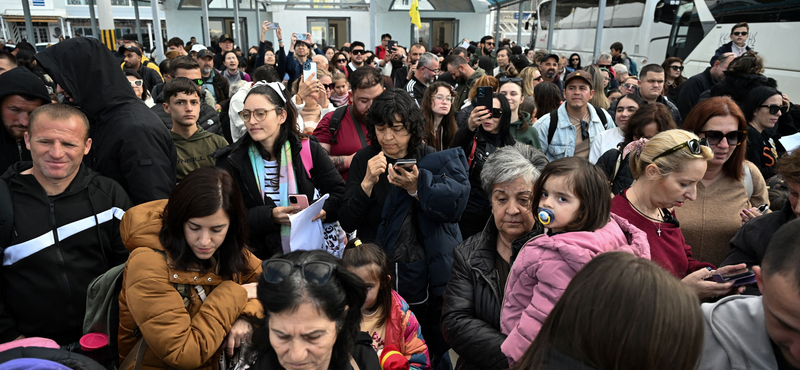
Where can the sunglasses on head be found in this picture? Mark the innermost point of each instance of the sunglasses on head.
(677, 68)
(137, 83)
(735, 138)
(515, 80)
(694, 146)
(774, 108)
(359, 52)
(740, 33)
(277, 270)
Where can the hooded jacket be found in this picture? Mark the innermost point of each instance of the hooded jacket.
(208, 119)
(404, 332)
(178, 336)
(691, 89)
(129, 143)
(18, 81)
(544, 268)
(736, 335)
(57, 248)
(195, 152)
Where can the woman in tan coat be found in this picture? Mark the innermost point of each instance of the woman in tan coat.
(189, 284)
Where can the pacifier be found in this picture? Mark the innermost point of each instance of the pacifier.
(546, 216)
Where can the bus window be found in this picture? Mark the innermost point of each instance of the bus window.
(755, 11)
(628, 13)
(687, 31)
(571, 14)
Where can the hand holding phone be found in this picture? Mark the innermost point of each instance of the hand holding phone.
(309, 68)
(298, 200)
(406, 164)
(740, 277)
(273, 26)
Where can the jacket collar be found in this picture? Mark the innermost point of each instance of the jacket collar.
(28, 183)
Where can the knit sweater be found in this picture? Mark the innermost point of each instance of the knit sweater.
(710, 222)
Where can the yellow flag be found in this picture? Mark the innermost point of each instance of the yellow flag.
(414, 13)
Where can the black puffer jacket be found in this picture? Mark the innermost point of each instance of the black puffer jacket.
(474, 298)
(208, 118)
(69, 359)
(624, 178)
(738, 87)
(129, 143)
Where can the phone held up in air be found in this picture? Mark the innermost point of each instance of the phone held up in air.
(273, 26)
(298, 200)
(391, 46)
(484, 97)
(406, 164)
(301, 36)
(309, 67)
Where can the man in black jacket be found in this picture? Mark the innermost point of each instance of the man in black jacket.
(133, 60)
(130, 143)
(20, 93)
(208, 118)
(690, 91)
(65, 230)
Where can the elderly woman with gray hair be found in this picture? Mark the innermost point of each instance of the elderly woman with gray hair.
(474, 296)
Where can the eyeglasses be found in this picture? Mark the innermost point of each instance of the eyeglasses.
(506, 79)
(774, 108)
(677, 68)
(441, 98)
(629, 86)
(497, 112)
(277, 270)
(259, 114)
(574, 59)
(138, 83)
(694, 146)
(734, 138)
(198, 82)
(539, 78)
(739, 33)
(435, 71)
(358, 52)
(341, 60)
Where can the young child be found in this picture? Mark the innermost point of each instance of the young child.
(574, 206)
(338, 95)
(396, 335)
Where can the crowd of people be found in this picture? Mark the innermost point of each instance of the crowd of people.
(488, 207)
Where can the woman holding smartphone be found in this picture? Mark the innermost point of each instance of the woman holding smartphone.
(268, 167)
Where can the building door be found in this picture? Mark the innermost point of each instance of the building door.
(241, 41)
(436, 32)
(329, 31)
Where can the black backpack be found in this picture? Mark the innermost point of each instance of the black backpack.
(336, 122)
(551, 131)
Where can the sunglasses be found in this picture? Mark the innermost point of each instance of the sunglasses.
(774, 108)
(734, 138)
(584, 130)
(358, 52)
(740, 33)
(604, 65)
(694, 146)
(488, 43)
(677, 68)
(629, 86)
(575, 59)
(540, 78)
(506, 79)
(259, 114)
(277, 270)
(329, 86)
(497, 112)
(139, 83)
(341, 60)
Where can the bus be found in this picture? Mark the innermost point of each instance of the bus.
(653, 30)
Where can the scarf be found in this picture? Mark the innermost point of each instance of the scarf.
(339, 100)
(287, 184)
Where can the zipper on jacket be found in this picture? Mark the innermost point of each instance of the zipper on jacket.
(19, 149)
(61, 260)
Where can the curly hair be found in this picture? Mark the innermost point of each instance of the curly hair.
(395, 106)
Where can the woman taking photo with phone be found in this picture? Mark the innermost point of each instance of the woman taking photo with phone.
(268, 167)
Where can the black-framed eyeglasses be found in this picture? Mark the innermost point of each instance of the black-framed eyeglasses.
(677, 68)
(277, 270)
(774, 108)
(358, 52)
(740, 33)
(735, 138)
(198, 82)
(435, 71)
(584, 130)
(539, 78)
(694, 145)
(259, 114)
(497, 112)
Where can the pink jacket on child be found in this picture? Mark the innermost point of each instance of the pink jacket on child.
(544, 268)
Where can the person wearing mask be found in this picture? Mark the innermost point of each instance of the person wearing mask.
(130, 144)
(231, 72)
(20, 93)
(465, 76)
(702, 82)
(133, 60)
(343, 138)
(425, 74)
(731, 189)
(674, 72)
(520, 125)
(440, 120)
(83, 208)
(762, 110)
(213, 82)
(651, 86)
(188, 289)
(481, 264)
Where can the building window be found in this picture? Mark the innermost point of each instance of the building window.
(86, 2)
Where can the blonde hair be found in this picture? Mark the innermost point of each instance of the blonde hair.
(483, 81)
(527, 80)
(339, 76)
(599, 99)
(667, 164)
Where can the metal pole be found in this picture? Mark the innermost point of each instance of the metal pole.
(373, 23)
(206, 34)
(138, 23)
(3, 26)
(157, 37)
(237, 37)
(258, 20)
(93, 20)
(598, 37)
(28, 22)
(519, 24)
(60, 23)
(551, 26)
(497, 26)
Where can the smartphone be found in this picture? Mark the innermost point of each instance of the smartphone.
(738, 277)
(406, 164)
(484, 97)
(309, 67)
(273, 26)
(298, 200)
(301, 36)
(391, 45)
(464, 44)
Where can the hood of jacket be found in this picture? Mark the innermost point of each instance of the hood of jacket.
(22, 184)
(577, 248)
(141, 224)
(736, 337)
(200, 134)
(89, 73)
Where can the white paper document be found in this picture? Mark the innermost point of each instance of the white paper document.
(307, 234)
(790, 142)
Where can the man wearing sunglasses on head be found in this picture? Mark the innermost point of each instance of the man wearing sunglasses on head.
(738, 44)
(427, 70)
(569, 130)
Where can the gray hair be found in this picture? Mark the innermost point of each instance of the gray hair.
(426, 58)
(510, 163)
(620, 68)
(604, 56)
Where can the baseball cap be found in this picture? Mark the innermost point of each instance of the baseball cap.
(204, 53)
(130, 37)
(583, 75)
(226, 37)
(132, 48)
(548, 56)
(197, 47)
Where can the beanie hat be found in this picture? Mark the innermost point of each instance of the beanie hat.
(21, 81)
(755, 98)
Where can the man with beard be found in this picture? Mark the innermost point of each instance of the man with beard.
(548, 66)
(20, 93)
(133, 60)
(464, 75)
(344, 139)
(404, 74)
(359, 55)
(695, 86)
(485, 48)
(427, 70)
(213, 83)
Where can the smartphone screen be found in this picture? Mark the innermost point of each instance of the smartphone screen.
(301, 36)
(464, 44)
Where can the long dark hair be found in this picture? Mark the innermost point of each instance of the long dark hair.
(504, 134)
(357, 255)
(332, 64)
(202, 193)
(289, 126)
(448, 124)
(569, 61)
(145, 91)
(667, 65)
(340, 299)
(547, 98)
(396, 102)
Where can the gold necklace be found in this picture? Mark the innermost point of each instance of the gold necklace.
(655, 221)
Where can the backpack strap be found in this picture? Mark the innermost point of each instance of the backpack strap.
(551, 131)
(305, 156)
(619, 162)
(602, 116)
(6, 216)
(336, 122)
(472, 152)
(748, 181)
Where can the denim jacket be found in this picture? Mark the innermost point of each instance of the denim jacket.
(563, 143)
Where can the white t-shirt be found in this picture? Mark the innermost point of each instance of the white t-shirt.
(607, 139)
